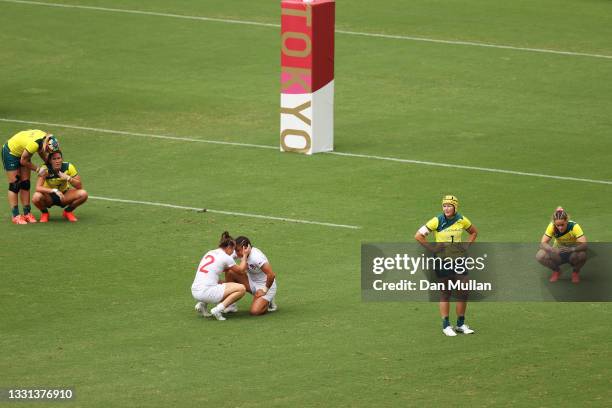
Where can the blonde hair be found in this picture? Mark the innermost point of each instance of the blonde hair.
(560, 214)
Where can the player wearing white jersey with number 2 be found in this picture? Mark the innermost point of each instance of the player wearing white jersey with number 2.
(206, 287)
(260, 280)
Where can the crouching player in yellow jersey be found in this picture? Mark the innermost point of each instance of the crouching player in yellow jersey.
(448, 228)
(54, 188)
(569, 246)
(17, 161)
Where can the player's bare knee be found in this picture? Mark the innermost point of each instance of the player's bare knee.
(257, 311)
(237, 288)
(83, 195)
(541, 255)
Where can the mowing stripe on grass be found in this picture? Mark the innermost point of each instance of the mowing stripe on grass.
(345, 154)
(151, 135)
(239, 214)
(256, 23)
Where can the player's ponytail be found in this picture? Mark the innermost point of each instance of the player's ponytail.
(226, 240)
(243, 241)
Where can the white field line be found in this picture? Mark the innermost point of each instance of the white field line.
(256, 23)
(238, 214)
(151, 135)
(460, 166)
(346, 154)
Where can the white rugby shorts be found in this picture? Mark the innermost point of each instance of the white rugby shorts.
(209, 294)
(256, 285)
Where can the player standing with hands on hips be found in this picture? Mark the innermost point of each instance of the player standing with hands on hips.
(448, 228)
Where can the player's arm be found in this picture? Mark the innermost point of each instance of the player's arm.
(40, 186)
(26, 161)
(473, 231)
(244, 265)
(581, 245)
(545, 243)
(270, 276)
(75, 181)
(26, 157)
(421, 237)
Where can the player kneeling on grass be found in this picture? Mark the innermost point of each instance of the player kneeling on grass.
(569, 246)
(206, 287)
(59, 185)
(260, 280)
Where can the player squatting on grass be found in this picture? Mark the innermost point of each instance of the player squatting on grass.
(254, 274)
(17, 155)
(569, 246)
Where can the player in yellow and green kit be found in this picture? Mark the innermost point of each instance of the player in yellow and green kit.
(17, 162)
(448, 229)
(569, 246)
(60, 184)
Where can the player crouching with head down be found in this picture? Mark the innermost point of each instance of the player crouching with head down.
(206, 287)
(260, 280)
(59, 185)
(569, 246)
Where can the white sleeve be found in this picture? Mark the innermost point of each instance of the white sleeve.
(258, 258)
(229, 261)
(424, 230)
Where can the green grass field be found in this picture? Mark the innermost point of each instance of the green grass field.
(104, 305)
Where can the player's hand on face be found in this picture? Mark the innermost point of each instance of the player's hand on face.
(246, 250)
(64, 176)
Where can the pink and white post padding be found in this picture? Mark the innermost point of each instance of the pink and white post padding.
(307, 76)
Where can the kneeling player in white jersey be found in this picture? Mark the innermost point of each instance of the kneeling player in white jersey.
(206, 287)
(260, 280)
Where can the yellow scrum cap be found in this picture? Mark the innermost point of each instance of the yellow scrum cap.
(452, 200)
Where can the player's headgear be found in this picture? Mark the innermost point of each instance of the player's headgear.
(52, 144)
(452, 200)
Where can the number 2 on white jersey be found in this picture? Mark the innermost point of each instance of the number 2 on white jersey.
(203, 267)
